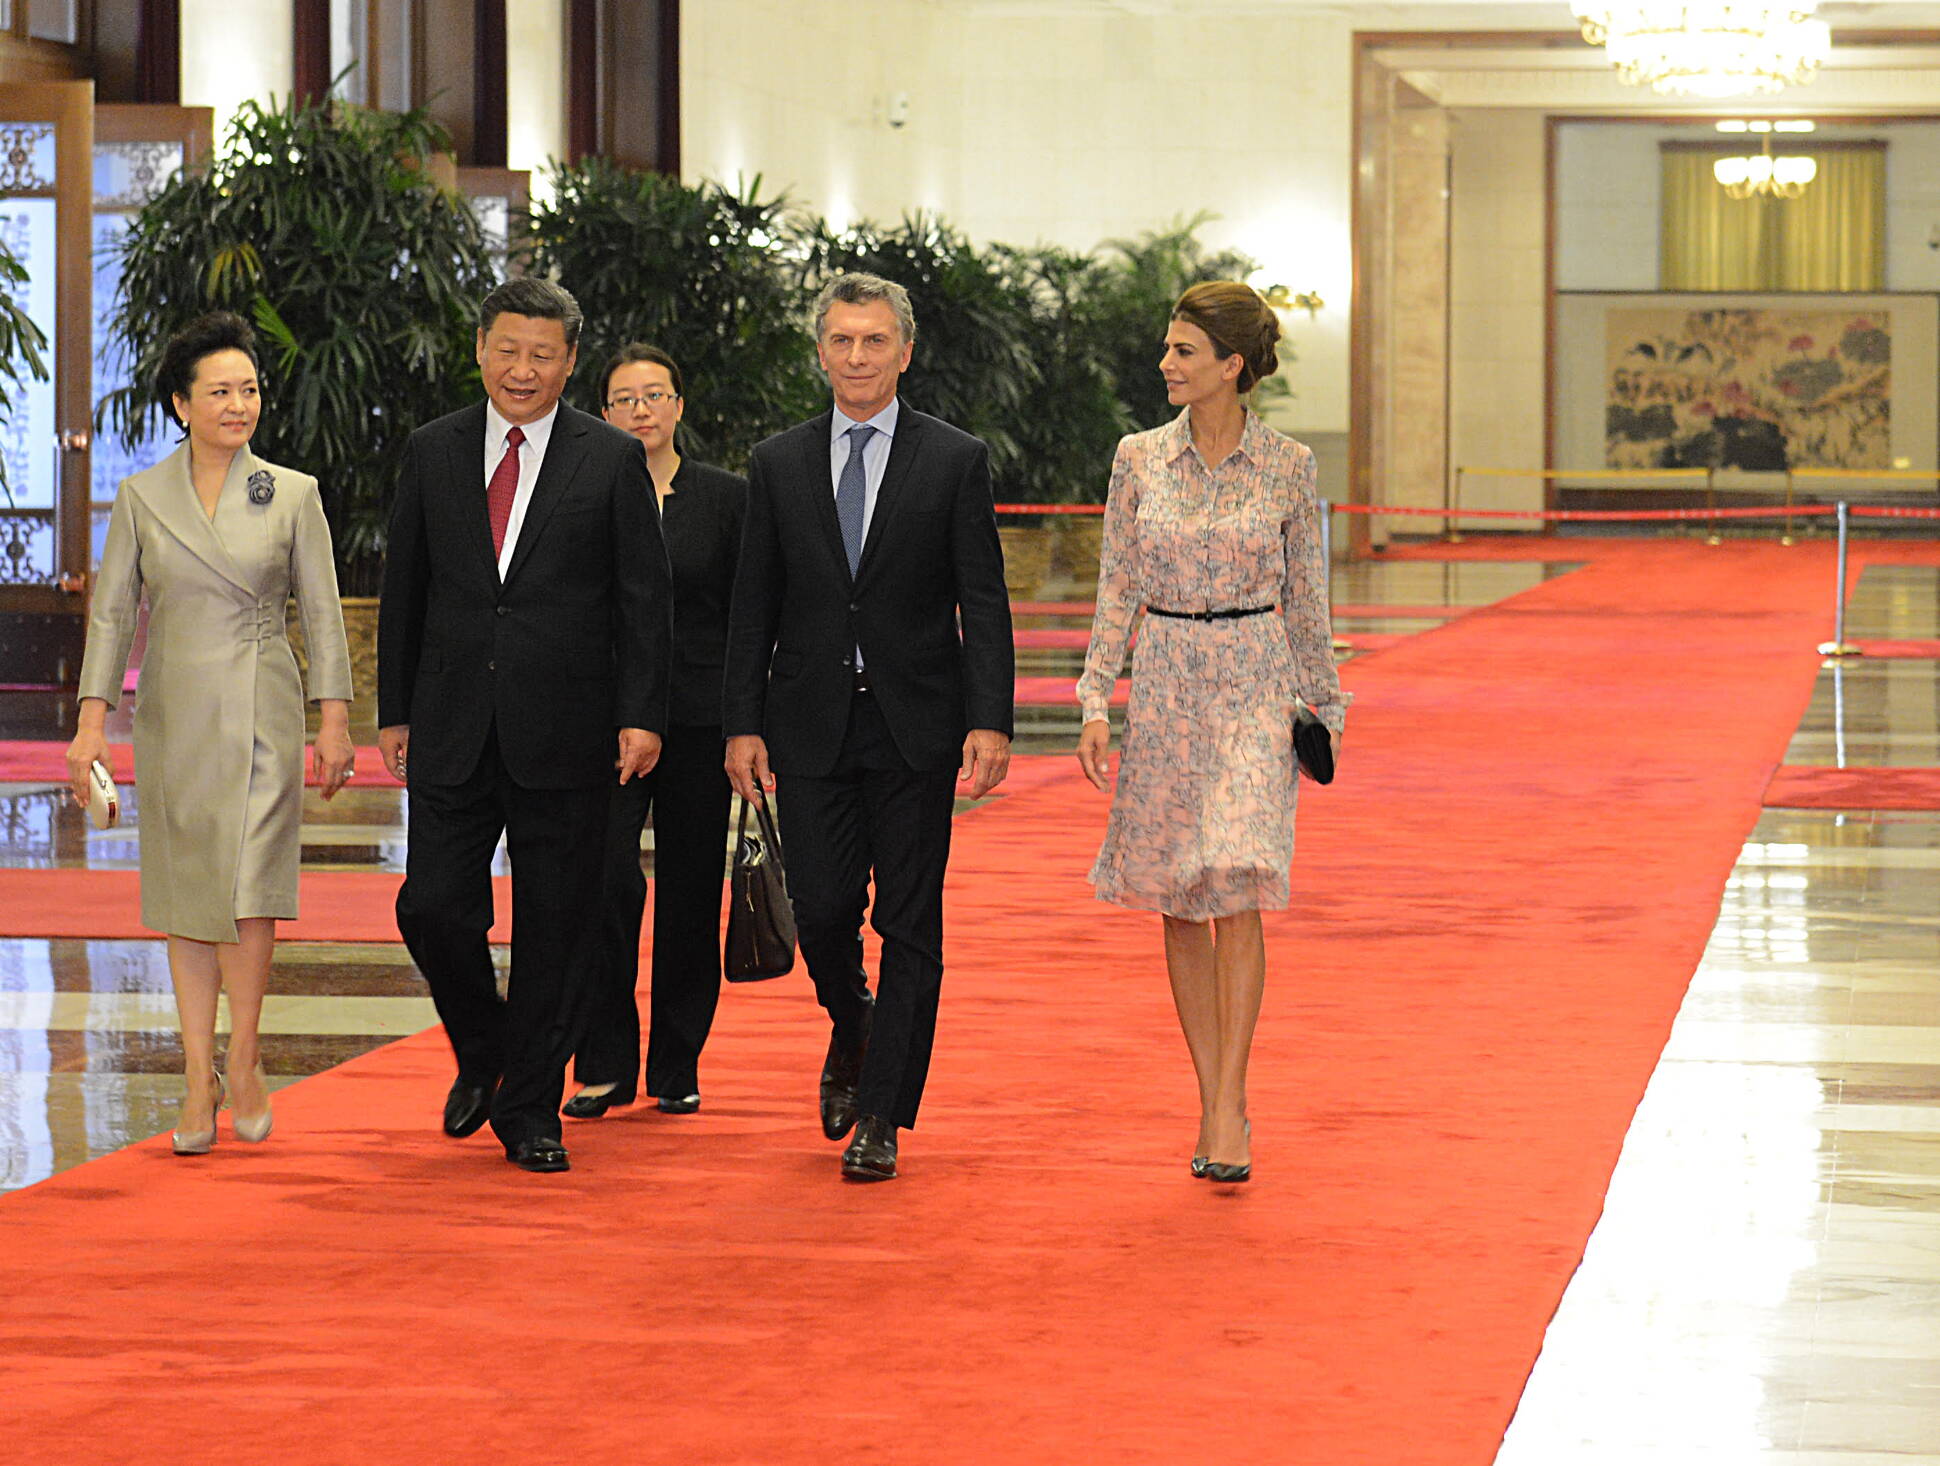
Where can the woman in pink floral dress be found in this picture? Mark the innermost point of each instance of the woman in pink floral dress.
(1211, 532)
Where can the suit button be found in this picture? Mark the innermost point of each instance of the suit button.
(499, 609)
(491, 666)
(853, 608)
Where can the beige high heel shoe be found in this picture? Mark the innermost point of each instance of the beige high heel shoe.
(200, 1142)
(255, 1128)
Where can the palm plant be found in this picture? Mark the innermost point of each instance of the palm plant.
(1142, 280)
(21, 344)
(323, 224)
(1066, 436)
(974, 365)
(696, 270)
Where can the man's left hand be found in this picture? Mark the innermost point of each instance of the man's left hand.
(639, 752)
(986, 759)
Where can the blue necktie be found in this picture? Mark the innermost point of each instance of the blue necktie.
(851, 492)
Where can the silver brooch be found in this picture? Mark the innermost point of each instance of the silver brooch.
(262, 486)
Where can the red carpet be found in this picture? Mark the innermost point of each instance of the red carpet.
(337, 905)
(1797, 786)
(1502, 902)
(1888, 648)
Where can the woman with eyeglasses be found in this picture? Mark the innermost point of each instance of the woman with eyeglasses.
(687, 792)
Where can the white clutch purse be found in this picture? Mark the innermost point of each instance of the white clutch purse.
(104, 800)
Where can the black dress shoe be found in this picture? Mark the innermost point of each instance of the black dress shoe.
(684, 1104)
(466, 1107)
(539, 1155)
(583, 1106)
(841, 1073)
(871, 1156)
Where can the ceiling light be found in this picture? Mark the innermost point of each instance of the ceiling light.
(1784, 176)
(1714, 50)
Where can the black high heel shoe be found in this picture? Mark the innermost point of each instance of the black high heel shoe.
(1199, 1164)
(1232, 1175)
(584, 1106)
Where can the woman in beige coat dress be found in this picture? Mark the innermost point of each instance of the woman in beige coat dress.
(218, 541)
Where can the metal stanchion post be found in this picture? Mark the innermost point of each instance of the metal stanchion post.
(1839, 646)
(1711, 502)
(1838, 713)
(1452, 530)
(1327, 564)
(1786, 538)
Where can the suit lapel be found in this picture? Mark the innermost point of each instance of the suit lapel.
(466, 450)
(816, 451)
(565, 450)
(169, 493)
(903, 447)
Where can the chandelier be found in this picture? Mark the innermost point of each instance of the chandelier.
(1715, 50)
(1783, 177)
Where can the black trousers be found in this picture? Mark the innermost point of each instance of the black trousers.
(444, 912)
(688, 794)
(873, 815)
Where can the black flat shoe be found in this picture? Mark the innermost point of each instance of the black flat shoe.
(684, 1104)
(539, 1155)
(871, 1156)
(466, 1108)
(583, 1106)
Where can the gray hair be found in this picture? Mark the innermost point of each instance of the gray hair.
(860, 289)
(529, 295)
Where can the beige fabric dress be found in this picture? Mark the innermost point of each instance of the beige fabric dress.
(219, 736)
(1202, 816)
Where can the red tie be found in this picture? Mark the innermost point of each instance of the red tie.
(504, 486)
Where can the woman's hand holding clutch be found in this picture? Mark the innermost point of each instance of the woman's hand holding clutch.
(90, 744)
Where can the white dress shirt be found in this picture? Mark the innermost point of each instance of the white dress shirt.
(532, 457)
(875, 459)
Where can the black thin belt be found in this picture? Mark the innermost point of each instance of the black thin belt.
(1232, 615)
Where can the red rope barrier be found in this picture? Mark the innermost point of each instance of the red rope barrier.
(1739, 512)
(1735, 512)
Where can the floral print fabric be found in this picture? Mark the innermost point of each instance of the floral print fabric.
(1202, 816)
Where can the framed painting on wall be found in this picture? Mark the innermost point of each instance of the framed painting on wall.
(1751, 383)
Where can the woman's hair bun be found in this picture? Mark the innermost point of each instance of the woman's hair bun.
(1236, 318)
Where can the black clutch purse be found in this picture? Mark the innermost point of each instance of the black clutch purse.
(1313, 746)
(761, 923)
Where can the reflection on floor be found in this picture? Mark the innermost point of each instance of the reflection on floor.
(1763, 1285)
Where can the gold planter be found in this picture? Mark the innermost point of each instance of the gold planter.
(360, 629)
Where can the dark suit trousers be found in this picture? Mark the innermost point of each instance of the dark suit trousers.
(688, 793)
(444, 912)
(873, 814)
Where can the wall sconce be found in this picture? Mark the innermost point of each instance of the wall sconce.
(1283, 299)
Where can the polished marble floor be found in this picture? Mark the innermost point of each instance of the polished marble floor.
(1765, 1284)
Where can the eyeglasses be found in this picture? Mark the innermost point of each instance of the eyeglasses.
(652, 397)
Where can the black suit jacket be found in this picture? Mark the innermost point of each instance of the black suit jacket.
(927, 604)
(701, 517)
(575, 643)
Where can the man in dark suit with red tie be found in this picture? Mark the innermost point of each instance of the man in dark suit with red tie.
(524, 644)
(869, 666)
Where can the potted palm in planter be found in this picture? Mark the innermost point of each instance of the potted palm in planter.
(699, 271)
(323, 224)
